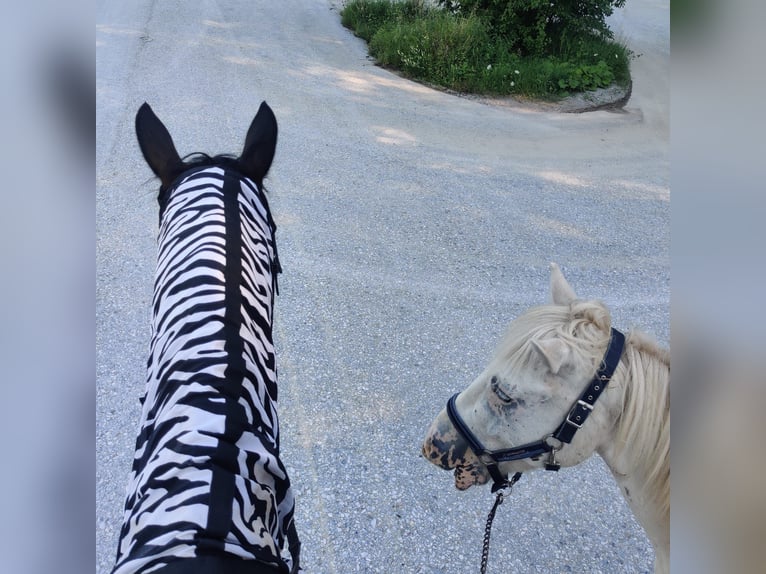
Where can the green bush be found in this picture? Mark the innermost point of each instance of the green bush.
(364, 18)
(587, 77)
(367, 16)
(533, 27)
(461, 51)
(437, 48)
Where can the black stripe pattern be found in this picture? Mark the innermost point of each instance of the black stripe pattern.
(207, 478)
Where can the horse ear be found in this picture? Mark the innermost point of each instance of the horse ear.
(561, 292)
(156, 144)
(260, 144)
(554, 351)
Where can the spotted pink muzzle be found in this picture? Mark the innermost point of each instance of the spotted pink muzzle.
(444, 447)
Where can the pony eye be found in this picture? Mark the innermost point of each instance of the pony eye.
(498, 391)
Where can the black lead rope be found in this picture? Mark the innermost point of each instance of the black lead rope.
(491, 517)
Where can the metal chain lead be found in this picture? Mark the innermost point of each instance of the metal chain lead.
(488, 532)
(491, 517)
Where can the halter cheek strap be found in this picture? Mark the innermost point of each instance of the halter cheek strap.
(584, 406)
(565, 432)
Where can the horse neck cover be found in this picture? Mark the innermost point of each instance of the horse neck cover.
(207, 478)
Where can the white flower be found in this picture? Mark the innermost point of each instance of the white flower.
(513, 84)
(596, 54)
(515, 71)
(489, 66)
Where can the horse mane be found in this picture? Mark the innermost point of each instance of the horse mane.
(644, 422)
(644, 371)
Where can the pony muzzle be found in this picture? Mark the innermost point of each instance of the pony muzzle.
(472, 475)
(444, 447)
(447, 449)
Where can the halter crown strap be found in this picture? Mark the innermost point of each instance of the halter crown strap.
(584, 406)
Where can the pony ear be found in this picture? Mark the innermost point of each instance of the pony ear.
(156, 144)
(554, 351)
(260, 144)
(561, 292)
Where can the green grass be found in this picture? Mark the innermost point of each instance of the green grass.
(458, 53)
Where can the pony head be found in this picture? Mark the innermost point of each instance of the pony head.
(547, 358)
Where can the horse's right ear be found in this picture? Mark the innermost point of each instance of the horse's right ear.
(561, 292)
(260, 144)
(156, 144)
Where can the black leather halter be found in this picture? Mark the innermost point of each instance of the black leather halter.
(576, 417)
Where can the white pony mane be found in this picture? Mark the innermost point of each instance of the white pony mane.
(643, 375)
(645, 420)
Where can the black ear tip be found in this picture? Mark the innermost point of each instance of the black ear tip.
(265, 111)
(144, 113)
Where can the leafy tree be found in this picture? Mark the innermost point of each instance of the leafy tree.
(539, 27)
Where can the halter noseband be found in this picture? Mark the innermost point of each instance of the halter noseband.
(576, 417)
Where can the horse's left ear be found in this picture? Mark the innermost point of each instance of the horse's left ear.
(561, 292)
(554, 351)
(156, 144)
(260, 144)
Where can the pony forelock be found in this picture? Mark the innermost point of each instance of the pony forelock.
(584, 324)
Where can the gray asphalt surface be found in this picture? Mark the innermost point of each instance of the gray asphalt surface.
(413, 226)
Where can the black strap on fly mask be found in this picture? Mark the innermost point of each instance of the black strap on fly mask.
(574, 420)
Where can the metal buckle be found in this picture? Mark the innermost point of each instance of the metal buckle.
(571, 412)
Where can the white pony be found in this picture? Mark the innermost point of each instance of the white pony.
(540, 375)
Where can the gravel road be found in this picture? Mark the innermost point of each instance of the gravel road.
(413, 226)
